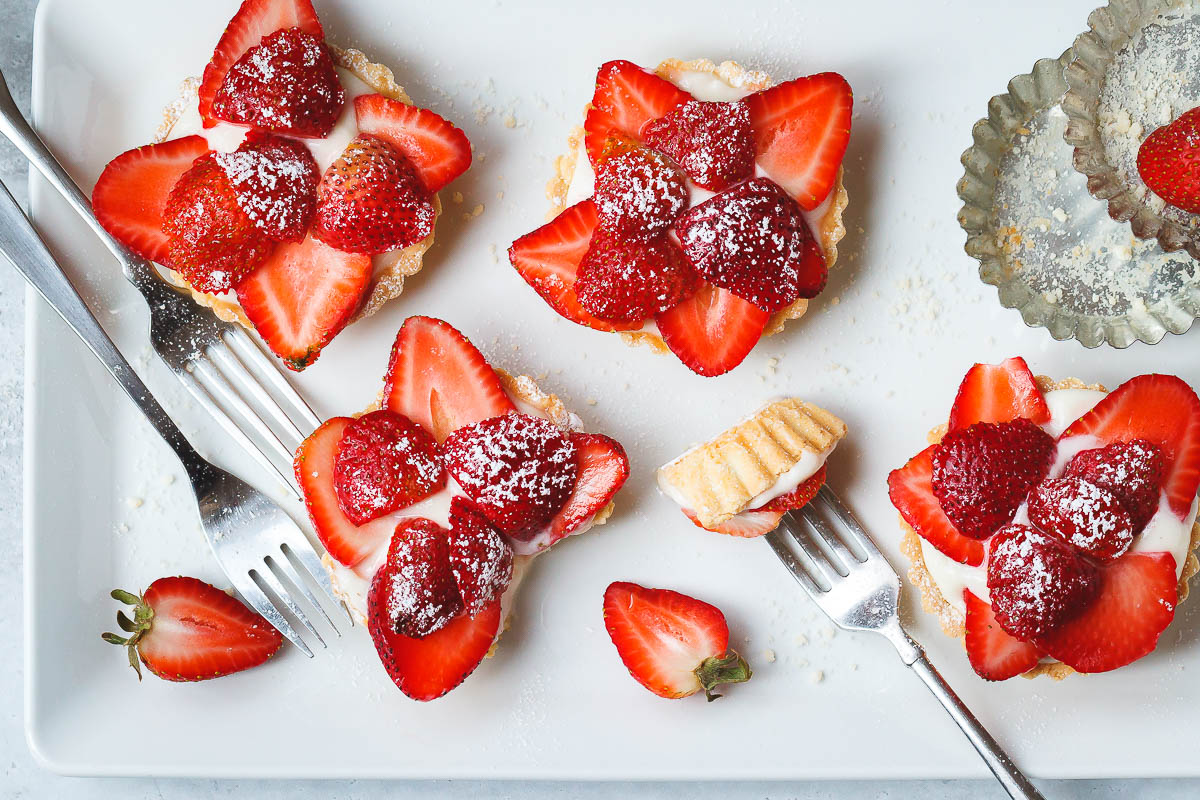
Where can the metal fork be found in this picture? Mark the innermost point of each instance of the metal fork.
(843, 571)
(217, 362)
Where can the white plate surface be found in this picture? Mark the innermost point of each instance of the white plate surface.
(885, 346)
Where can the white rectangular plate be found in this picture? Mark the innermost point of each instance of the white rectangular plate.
(884, 346)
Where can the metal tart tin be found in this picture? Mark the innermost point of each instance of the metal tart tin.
(1134, 71)
(1046, 245)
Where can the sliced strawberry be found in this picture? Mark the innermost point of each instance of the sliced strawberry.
(1088, 516)
(672, 644)
(346, 542)
(998, 393)
(415, 588)
(519, 469)
(1164, 411)
(626, 98)
(603, 469)
(638, 193)
(131, 193)
(746, 525)
(712, 142)
(713, 330)
(798, 497)
(184, 629)
(1167, 162)
(1136, 604)
(254, 20)
(994, 654)
(549, 258)
(1133, 471)
(480, 557)
(385, 462)
(284, 84)
(625, 281)
(425, 669)
(910, 489)
(438, 151)
(801, 129)
(302, 296)
(275, 181)
(439, 380)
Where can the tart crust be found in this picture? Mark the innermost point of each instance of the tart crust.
(949, 617)
(391, 268)
(830, 228)
(721, 477)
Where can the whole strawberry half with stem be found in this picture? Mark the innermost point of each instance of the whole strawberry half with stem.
(275, 182)
(982, 473)
(1169, 162)
(712, 142)
(184, 629)
(638, 193)
(385, 462)
(672, 644)
(753, 241)
(371, 200)
(627, 281)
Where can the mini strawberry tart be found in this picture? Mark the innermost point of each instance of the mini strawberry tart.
(432, 507)
(1051, 524)
(698, 209)
(292, 189)
(743, 481)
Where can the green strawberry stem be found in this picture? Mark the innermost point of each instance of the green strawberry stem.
(139, 626)
(716, 670)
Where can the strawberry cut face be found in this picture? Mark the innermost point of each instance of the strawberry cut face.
(998, 393)
(995, 654)
(910, 489)
(438, 151)
(626, 98)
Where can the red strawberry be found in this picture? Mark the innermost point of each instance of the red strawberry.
(415, 587)
(275, 182)
(1162, 410)
(713, 330)
(549, 258)
(1135, 605)
(910, 489)
(254, 20)
(285, 84)
(746, 525)
(1169, 162)
(752, 240)
(425, 669)
(302, 296)
(712, 142)
(603, 469)
(799, 497)
(801, 129)
(438, 151)
(1036, 581)
(183, 629)
(346, 542)
(628, 282)
(1091, 518)
(518, 469)
(981, 474)
(998, 393)
(994, 654)
(439, 380)
(210, 240)
(638, 193)
(672, 644)
(626, 98)
(481, 559)
(385, 462)
(131, 193)
(1133, 471)
(371, 200)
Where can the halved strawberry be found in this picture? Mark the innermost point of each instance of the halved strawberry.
(254, 20)
(1136, 604)
(626, 98)
(603, 469)
(672, 644)
(302, 296)
(480, 557)
(910, 489)
(1164, 411)
(549, 258)
(712, 331)
(346, 542)
(425, 669)
(439, 151)
(801, 129)
(416, 588)
(132, 191)
(746, 525)
(798, 497)
(184, 629)
(994, 654)
(385, 462)
(439, 380)
(275, 182)
(998, 393)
